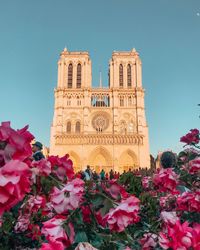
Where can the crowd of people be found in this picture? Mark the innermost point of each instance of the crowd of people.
(88, 173)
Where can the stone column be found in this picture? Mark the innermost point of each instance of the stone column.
(89, 80)
(65, 81)
(86, 76)
(133, 75)
(83, 75)
(73, 124)
(139, 73)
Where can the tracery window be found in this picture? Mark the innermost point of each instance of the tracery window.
(129, 76)
(78, 127)
(69, 126)
(78, 77)
(70, 75)
(121, 82)
(100, 122)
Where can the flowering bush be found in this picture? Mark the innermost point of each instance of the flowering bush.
(166, 180)
(44, 205)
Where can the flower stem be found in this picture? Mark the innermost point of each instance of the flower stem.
(55, 180)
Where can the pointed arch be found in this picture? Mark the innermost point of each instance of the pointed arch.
(78, 76)
(76, 160)
(69, 127)
(100, 158)
(129, 77)
(128, 159)
(78, 127)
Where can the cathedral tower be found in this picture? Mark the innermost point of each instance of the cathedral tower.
(103, 127)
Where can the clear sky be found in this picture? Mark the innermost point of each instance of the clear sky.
(166, 33)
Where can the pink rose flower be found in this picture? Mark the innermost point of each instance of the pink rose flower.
(34, 232)
(146, 182)
(194, 166)
(23, 222)
(126, 213)
(189, 201)
(52, 229)
(14, 184)
(115, 190)
(86, 214)
(48, 210)
(166, 180)
(148, 241)
(168, 201)
(100, 219)
(42, 167)
(177, 236)
(52, 245)
(69, 197)
(17, 143)
(85, 246)
(1, 221)
(34, 203)
(169, 217)
(62, 167)
(191, 138)
(196, 237)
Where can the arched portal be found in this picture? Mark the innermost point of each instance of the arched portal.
(76, 161)
(128, 159)
(99, 159)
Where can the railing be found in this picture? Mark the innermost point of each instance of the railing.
(97, 139)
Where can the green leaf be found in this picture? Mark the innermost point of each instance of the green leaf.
(107, 206)
(81, 236)
(98, 200)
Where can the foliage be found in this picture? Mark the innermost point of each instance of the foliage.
(50, 207)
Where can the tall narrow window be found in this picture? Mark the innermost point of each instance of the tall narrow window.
(121, 101)
(78, 127)
(78, 101)
(129, 76)
(69, 127)
(70, 74)
(78, 79)
(121, 83)
(69, 101)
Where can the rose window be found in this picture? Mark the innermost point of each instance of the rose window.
(100, 122)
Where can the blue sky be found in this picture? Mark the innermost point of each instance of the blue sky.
(166, 33)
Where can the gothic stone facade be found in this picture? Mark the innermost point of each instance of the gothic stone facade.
(103, 127)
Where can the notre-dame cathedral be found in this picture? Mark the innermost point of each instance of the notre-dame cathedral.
(101, 127)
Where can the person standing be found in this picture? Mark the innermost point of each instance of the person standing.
(102, 175)
(111, 174)
(37, 151)
(88, 173)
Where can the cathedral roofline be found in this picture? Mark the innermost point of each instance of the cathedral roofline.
(125, 53)
(67, 52)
